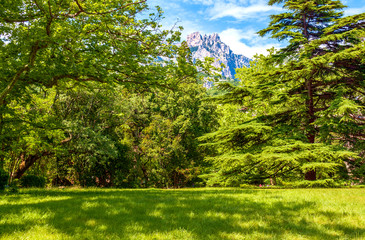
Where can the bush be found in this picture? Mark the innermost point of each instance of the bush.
(4, 176)
(326, 183)
(33, 181)
(13, 186)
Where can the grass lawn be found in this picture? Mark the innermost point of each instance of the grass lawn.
(183, 214)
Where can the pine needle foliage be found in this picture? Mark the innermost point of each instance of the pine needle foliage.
(309, 94)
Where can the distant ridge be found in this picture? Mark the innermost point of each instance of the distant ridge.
(212, 46)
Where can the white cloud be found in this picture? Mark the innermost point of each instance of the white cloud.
(223, 9)
(213, 2)
(232, 37)
(204, 2)
(238, 9)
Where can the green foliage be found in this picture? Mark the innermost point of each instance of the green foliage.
(325, 183)
(33, 181)
(80, 42)
(304, 102)
(163, 150)
(3, 179)
(217, 89)
(289, 160)
(87, 99)
(99, 136)
(13, 186)
(304, 21)
(231, 115)
(162, 128)
(244, 136)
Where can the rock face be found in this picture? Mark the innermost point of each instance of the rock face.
(212, 46)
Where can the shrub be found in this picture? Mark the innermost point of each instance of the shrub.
(33, 181)
(13, 186)
(326, 183)
(3, 179)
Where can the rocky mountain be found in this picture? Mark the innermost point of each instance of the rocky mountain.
(212, 46)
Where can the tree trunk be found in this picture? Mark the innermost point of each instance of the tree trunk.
(2, 145)
(273, 181)
(145, 177)
(310, 175)
(26, 163)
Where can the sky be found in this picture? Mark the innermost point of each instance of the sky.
(236, 21)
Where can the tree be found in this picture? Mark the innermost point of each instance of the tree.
(317, 66)
(303, 97)
(96, 135)
(302, 24)
(50, 47)
(163, 153)
(162, 128)
(46, 43)
(94, 155)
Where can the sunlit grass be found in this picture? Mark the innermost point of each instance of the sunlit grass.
(183, 214)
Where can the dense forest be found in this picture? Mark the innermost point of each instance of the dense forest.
(100, 94)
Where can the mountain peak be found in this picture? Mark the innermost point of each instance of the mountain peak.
(194, 39)
(212, 46)
(215, 37)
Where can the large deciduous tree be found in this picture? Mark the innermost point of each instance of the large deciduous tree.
(52, 49)
(161, 128)
(44, 43)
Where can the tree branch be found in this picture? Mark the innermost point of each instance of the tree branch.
(7, 90)
(32, 56)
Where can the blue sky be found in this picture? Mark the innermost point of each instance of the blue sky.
(236, 21)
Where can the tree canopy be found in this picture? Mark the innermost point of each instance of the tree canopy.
(306, 99)
(70, 75)
(47, 43)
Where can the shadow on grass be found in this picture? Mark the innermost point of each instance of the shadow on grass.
(203, 214)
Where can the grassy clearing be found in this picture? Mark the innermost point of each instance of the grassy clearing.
(183, 214)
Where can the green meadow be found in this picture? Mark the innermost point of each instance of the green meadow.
(183, 214)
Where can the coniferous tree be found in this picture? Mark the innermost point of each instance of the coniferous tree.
(308, 93)
(319, 64)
